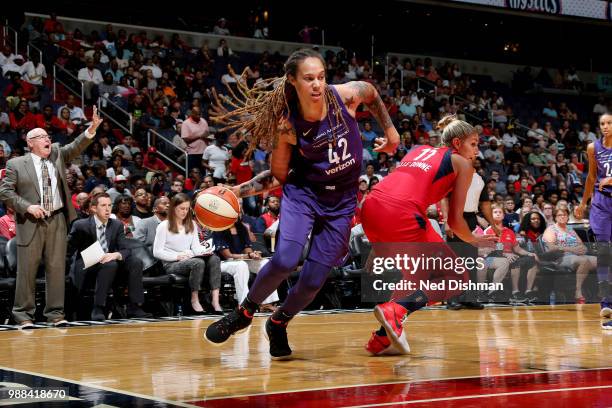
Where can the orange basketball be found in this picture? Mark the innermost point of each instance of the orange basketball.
(217, 208)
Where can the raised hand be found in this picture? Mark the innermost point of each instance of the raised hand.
(95, 121)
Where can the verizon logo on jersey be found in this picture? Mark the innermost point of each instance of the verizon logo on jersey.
(340, 167)
(416, 164)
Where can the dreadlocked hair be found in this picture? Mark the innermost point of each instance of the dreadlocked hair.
(257, 111)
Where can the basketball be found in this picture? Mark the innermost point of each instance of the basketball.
(217, 208)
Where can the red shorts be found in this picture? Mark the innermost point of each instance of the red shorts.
(392, 226)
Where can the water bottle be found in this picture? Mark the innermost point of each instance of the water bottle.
(179, 312)
(553, 298)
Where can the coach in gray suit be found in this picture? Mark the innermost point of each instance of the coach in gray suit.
(145, 228)
(35, 187)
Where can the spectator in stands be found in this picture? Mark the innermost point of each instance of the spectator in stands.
(194, 131)
(114, 70)
(34, 71)
(221, 27)
(538, 160)
(142, 209)
(8, 228)
(21, 118)
(178, 246)
(368, 135)
(517, 257)
(223, 50)
(500, 186)
(76, 113)
(243, 170)
(216, 157)
(14, 65)
(129, 147)
(176, 187)
(153, 163)
(493, 155)
(511, 218)
(122, 210)
(48, 121)
(119, 184)
(559, 236)
(208, 182)
(235, 249)
(549, 111)
(369, 174)
(585, 135)
(533, 226)
(145, 229)
(90, 77)
(64, 118)
(271, 211)
(109, 233)
(117, 168)
(565, 112)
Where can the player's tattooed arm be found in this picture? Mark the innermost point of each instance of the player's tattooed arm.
(286, 132)
(360, 91)
(366, 93)
(259, 184)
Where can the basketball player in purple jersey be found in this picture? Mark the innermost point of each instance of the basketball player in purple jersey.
(599, 185)
(316, 156)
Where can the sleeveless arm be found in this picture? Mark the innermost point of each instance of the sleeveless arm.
(456, 221)
(356, 92)
(281, 151)
(592, 177)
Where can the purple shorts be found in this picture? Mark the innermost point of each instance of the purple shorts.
(329, 218)
(601, 217)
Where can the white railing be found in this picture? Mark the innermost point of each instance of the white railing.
(32, 48)
(168, 150)
(9, 32)
(103, 104)
(68, 76)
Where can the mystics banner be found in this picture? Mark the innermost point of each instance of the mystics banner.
(595, 9)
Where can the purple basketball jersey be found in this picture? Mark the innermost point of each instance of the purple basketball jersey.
(603, 156)
(320, 163)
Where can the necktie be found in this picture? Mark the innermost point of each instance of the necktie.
(102, 237)
(47, 192)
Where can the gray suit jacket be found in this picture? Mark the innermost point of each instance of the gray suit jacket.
(19, 188)
(145, 231)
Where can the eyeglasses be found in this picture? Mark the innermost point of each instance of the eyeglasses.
(41, 137)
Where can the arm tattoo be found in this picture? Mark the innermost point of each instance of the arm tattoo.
(379, 110)
(349, 101)
(286, 129)
(370, 97)
(258, 184)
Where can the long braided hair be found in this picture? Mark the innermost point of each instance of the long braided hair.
(258, 110)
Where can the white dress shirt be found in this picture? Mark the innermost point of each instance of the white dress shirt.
(57, 199)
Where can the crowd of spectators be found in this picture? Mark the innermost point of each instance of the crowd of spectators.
(535, 173)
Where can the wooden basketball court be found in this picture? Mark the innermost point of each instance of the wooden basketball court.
(523, 356)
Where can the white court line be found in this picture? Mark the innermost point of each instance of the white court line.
(501, 394)
(411, 382)
(84, 384)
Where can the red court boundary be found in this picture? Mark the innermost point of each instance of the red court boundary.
(592, 388)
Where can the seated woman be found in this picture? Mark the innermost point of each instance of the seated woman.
(177, 245)
(559, 236)
(532, 227)
(518, 258)
(235, 248)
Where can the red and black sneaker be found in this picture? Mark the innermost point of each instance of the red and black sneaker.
(232, 323)
(381, 345)
(276, 331)
(391, 317)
